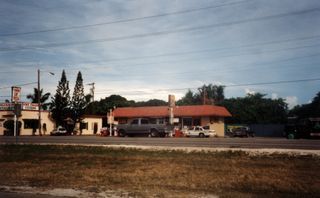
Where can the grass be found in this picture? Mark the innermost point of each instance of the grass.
(160, 173)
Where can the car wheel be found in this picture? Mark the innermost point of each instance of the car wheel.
(162, 135)
(290, 136)
(201, 135)
(122, 133)
(154, 133)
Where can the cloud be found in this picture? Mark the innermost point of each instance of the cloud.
(292, 101)
(130, 65)
(248, 91)
(274, 96)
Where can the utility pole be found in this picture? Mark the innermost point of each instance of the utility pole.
(204, 95)
(111, 120)
(92, 90)
(39, 101)
(39, 104)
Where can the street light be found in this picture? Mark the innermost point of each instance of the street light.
(39, 102)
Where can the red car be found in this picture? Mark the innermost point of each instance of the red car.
(104, 131)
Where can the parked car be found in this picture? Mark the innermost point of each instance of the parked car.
(59, 131)
(303, 128)
(199, 131)
(242, 132)
(212, 133)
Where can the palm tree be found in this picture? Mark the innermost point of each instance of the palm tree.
(43, 98)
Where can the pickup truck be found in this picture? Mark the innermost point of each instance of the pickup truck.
(143, 126)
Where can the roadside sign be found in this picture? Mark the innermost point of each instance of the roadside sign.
(24, 106)
(15, 94)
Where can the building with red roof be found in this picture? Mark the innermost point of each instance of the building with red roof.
(184, 116)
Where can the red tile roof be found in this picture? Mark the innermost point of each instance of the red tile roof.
(178, 111)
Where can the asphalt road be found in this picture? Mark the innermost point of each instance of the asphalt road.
(257, 143)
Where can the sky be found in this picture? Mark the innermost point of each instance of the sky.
(148, 49)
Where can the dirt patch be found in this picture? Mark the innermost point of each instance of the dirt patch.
(62, 192)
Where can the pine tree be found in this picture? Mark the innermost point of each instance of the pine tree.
(78, 100)
(61, 101)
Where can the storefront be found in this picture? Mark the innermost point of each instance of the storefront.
(184, 116)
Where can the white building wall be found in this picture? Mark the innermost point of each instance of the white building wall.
(27, 114)
(91, 123)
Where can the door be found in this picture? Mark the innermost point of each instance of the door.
(144, 126)
(95, 128)
(134, 126)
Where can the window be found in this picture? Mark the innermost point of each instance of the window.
(144, 121)
(214, 120)
(160, 121)
(196, 121)
(123, 121)
(187, 121)
(153, 121)
(30, 123)
(84, 125)
(206, 127)
(136, 121)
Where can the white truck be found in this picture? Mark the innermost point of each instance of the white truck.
(199, 131)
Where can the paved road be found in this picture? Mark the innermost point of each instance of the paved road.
(172, 142)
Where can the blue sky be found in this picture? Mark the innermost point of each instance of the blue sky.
(145, 49)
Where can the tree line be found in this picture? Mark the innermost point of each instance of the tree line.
(251, 109)
(65, 110)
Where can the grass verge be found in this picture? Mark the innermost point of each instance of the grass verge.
(160, 173)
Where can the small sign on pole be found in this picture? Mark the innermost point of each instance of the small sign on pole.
(15, 94)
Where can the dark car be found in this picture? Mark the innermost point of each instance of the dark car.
(242, 132)
(303, 128)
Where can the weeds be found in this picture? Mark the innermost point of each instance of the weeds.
(146, 173)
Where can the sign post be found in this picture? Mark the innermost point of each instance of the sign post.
(15, 98)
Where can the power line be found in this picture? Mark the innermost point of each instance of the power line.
(208, 70)
(195, 52)
(19, 85)
(233, 85)
(275, 82)
(49, 45)
(244, 54)
(125, 20)
(208, 50)
(10, 96)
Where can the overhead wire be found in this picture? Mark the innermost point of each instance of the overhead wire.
(18, 85)
(226, 86)
(159, 33)
(192, 52)
(125, 20)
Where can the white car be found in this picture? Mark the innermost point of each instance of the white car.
(199, 131)
(59, 131)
